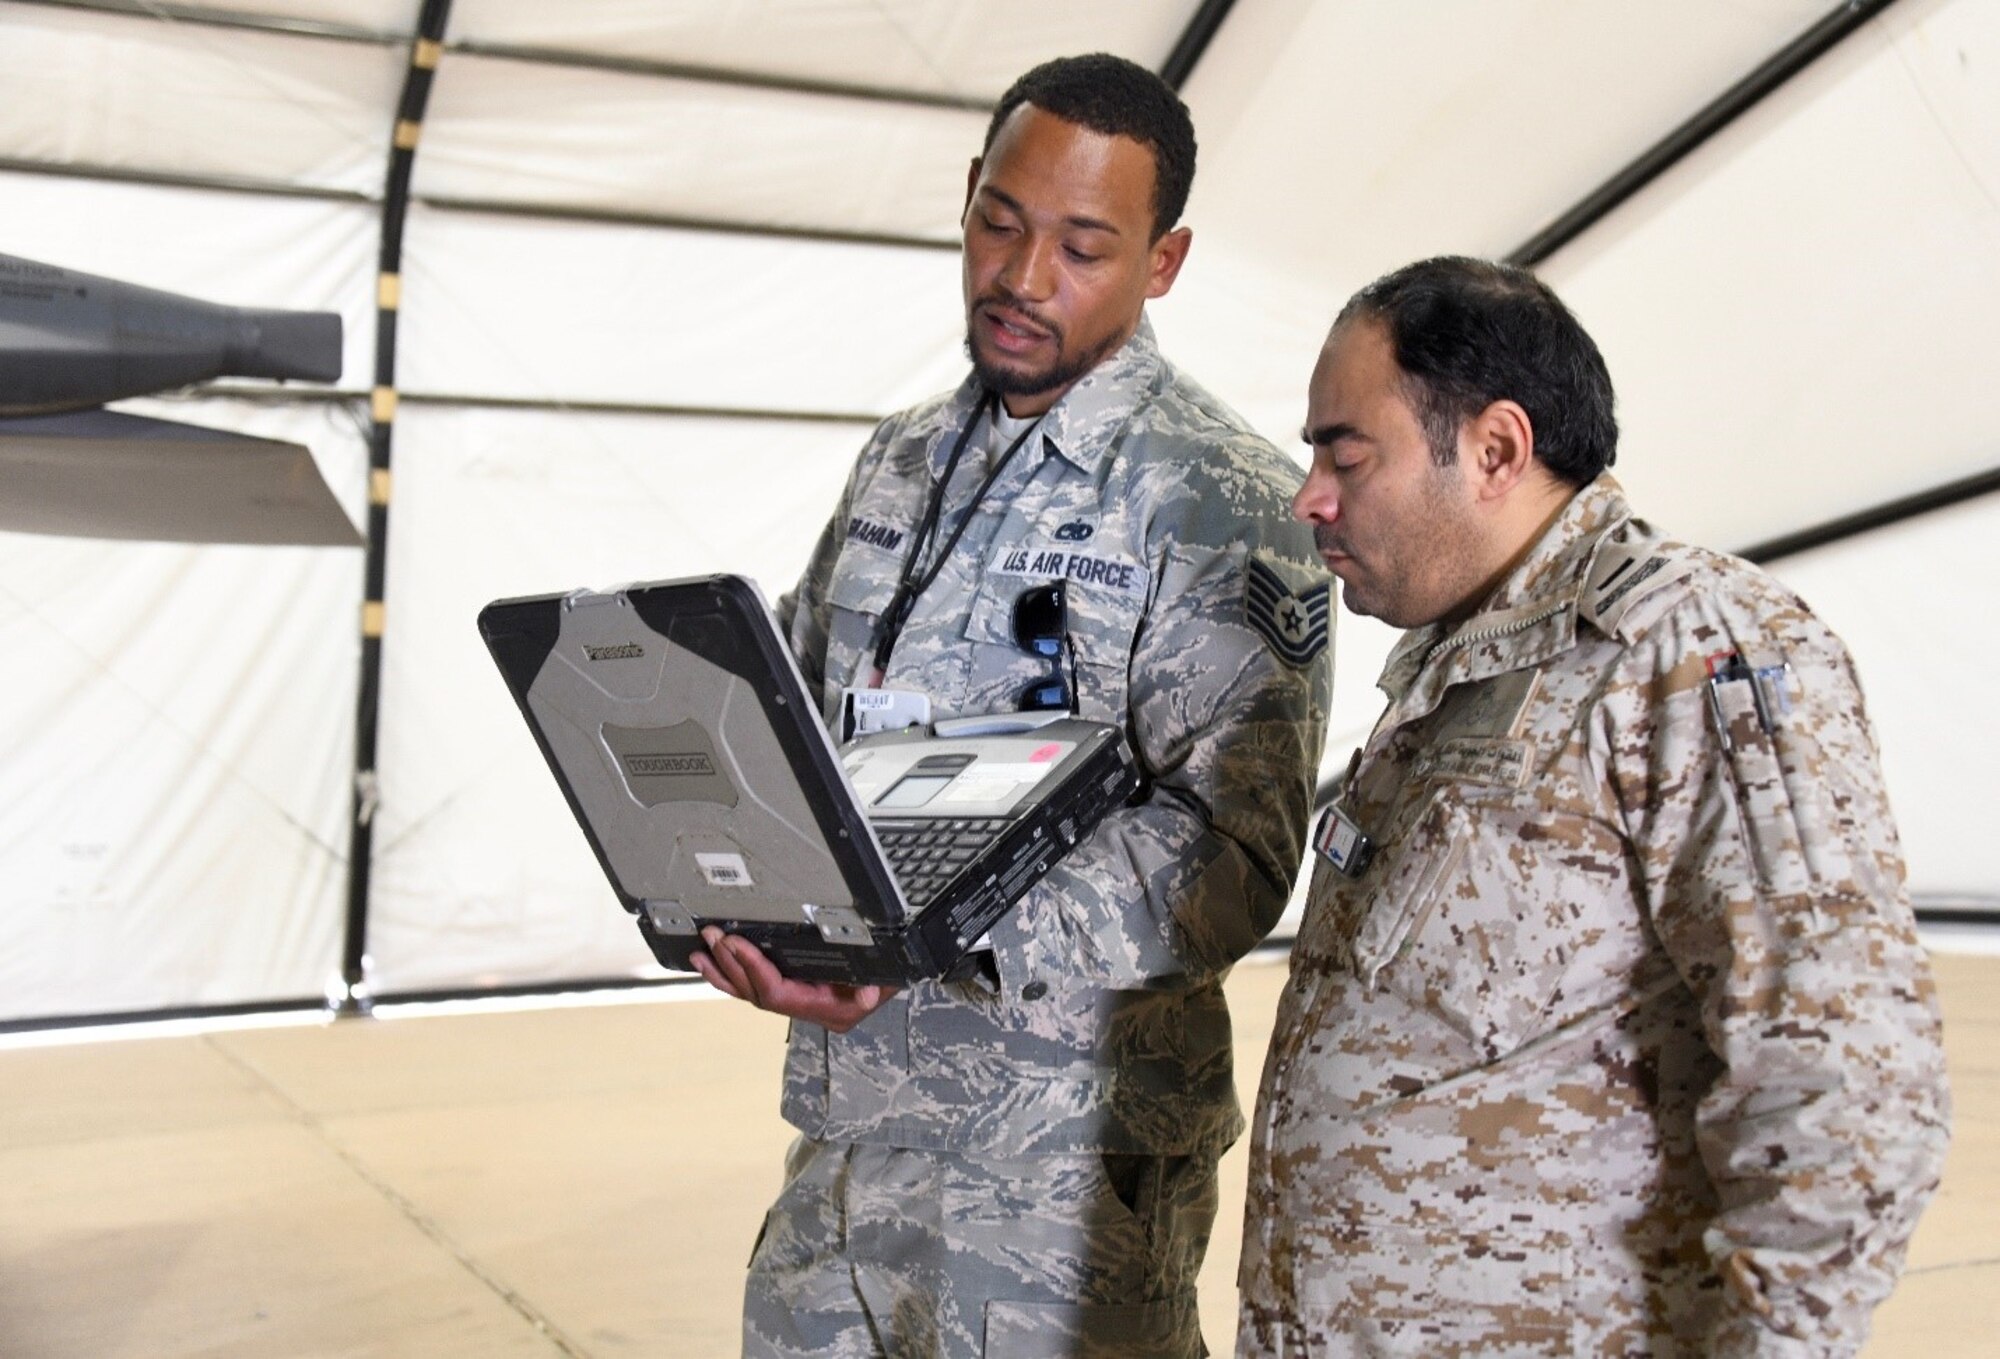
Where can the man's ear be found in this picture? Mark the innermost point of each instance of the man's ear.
(1500, 441)
(1168, 254)
(971, 183)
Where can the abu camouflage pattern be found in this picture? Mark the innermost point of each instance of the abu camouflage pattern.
(1107, 1030)
(1624, 1043)
(874, 1250)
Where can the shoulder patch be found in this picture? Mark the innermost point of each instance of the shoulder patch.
(1294, 623)
(1623, 574)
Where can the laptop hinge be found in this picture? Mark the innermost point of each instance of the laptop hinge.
(840, 925)
(669, 917)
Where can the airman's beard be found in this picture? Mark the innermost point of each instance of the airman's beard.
(1033, 382)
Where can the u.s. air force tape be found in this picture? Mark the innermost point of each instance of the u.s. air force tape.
(1293, 622)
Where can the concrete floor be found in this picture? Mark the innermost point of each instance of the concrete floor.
(580, 1181)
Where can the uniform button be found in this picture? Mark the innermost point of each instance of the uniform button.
(1034, 990)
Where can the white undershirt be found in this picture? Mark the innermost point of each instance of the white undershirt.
(1001, 431)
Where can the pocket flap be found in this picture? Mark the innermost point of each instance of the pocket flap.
(1426, 860)
(861, 586)
(1044, 1330)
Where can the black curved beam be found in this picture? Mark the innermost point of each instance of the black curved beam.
(1194, 40)
(425, 51)
(1875, 517)
(1719, 113)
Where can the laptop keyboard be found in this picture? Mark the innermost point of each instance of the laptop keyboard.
(927, 853)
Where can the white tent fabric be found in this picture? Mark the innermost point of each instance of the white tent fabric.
(1903, 599)
(968, 48)
(1802, 313)
(730, 221)
(783, 335)
(109, 90)
(525, 132)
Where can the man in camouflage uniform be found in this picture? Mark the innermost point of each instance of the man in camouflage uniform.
(1024, 1162)
(1621, 1041)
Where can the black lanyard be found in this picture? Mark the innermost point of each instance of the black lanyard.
(913, 581)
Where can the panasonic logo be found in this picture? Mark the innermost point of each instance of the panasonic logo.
(624, 651)
(692, 765)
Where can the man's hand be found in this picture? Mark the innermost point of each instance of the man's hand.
(736, 967)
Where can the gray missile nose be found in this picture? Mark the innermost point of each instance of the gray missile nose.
(285, 344)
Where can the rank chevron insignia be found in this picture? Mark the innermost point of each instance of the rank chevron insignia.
(1295, 625)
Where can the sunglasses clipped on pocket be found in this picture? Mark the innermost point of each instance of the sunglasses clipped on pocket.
(1041, 628)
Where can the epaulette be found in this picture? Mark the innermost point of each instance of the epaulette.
(1635, 576)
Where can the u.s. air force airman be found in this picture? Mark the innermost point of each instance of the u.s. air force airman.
(1608, 1031)
(1024, 1162)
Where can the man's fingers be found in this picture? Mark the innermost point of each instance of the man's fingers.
(726, 961)
(761, 978)
(735, 961)
(738, 968)
(870, 998)
(741, 954)
(706, 967)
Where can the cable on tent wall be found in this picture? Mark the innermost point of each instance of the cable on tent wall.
(1718, 114)
(111, 1019)
(425, 51)
(559, 212)
(1973, 911)
(170, 179)
(236, 19)
(292, 394)
(166, 1015)
(679, 222)
(718, 75)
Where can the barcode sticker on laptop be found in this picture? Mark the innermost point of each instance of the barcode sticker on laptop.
(723, 870)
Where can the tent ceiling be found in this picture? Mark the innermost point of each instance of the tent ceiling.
(746, 208)
(967, 48)
(951, 51)
(529, 132)
(1802, 313)
(133, 93)
(1339, 139)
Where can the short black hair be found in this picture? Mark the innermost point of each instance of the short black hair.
(1470, 332)
(1118, 98)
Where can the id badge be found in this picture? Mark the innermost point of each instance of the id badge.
(870, 710)
(1342, 843)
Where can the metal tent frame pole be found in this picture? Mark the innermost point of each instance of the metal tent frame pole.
(1201, 29)
(1717, 114)
(425, 51)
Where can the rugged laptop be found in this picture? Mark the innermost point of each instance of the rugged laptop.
(698, 765)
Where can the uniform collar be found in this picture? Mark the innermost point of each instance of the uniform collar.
(1086, 422)
(1531, 616)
